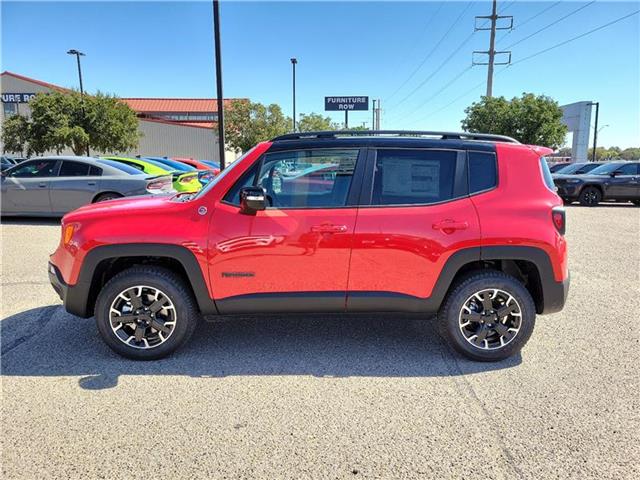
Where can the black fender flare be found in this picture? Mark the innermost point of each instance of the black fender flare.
(77, 297)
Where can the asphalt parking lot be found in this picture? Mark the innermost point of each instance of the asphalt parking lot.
(297, 397)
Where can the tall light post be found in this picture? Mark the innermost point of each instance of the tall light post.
(294, 62)
(216, 34)
(79, 54)
(595, 131)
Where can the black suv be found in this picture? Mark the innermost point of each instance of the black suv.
(613, 181)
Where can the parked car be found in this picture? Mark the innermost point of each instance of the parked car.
(53, 186)
(198, 164)
(613, 181)
(438, 231)
(576, 168)
(6, 162)
(553, 168)
(182, 182)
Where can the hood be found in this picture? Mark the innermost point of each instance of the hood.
(121, 206)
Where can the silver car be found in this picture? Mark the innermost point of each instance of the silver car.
(53, 186)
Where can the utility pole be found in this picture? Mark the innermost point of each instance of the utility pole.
(378, 115)
(294, 62)
(491, 53)
(373, 118)
(218, 54)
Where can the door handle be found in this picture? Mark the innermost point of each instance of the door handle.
(449, 226)
(91, 183)
(329, 228)
(42, 185)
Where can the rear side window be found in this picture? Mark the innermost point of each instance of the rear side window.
(629, 169)
(119, 166)
(413, 177)
(73, 169)
(483, 173)
(546, 174)
(95, 171)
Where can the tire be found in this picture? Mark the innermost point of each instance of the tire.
(590, 197)
(180, 309)
(461, 339)
(636, 202)
(107, 196)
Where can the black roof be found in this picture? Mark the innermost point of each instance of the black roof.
(389, 138)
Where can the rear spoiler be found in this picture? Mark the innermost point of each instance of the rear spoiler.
(540, 151)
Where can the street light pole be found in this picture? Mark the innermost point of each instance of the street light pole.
(294, 62)
(79, 54)
(218, 54)
(595, 131)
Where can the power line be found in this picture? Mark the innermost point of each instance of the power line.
(532, 18)
(565, 42)
(551, 24)
(424, 60)
(577, 37)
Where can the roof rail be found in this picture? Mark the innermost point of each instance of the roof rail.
(397, 133)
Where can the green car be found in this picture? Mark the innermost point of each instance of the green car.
(182, 182)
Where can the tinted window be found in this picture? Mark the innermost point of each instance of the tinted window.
(605, 169)
(95, 171)
(36, 168)
(308, 178)
(546, 174)
(182, 167)
(482, 171)
(131, 164)
(120, 166)
(246, 180)
(630, 169)
(587, 168)
(73, 169)
(406, 177)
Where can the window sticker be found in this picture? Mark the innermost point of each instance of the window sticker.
(406, 177)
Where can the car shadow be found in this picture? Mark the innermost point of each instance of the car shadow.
(48, 342)
(30, 220)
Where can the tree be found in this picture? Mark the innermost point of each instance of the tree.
(531, 119)
(315, 122)
(69, 120)
(632, 153)
(247, 123)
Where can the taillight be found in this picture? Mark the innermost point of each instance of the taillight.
(186, 179)
(159, 186)
(559, 218)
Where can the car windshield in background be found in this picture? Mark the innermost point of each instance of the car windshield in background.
(120, 166)
(568, 169)
(605, 169)
(181, 167)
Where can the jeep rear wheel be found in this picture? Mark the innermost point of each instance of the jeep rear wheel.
(145, 313)
(487, 317)
(590, 197)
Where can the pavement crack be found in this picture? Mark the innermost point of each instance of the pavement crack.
(465, 387)
(42, 318)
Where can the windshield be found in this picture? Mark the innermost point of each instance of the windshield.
(605, 169)
(570, 168)
(221, 175)
(120, 166)
(182, 167)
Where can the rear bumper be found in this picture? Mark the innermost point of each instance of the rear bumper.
(73, 297)
(555, 295)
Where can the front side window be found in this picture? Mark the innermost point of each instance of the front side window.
(414, 177)
(35, 169)
(73, 169)
(629, 169)
(308, 178)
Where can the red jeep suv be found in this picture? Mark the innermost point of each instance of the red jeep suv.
(466, 226)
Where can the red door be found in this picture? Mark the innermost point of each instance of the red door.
(293, 256)
(418, 216)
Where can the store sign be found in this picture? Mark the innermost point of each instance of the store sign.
(346, 103)
(17, 97)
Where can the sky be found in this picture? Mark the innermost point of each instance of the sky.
(414, 56)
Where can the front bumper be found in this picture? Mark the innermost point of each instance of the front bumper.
(555, 295)
(74, 297)
(568, 190)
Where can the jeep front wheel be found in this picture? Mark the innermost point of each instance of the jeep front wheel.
(487, 317)
(145, 313)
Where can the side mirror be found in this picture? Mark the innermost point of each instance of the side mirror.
(252, 200)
